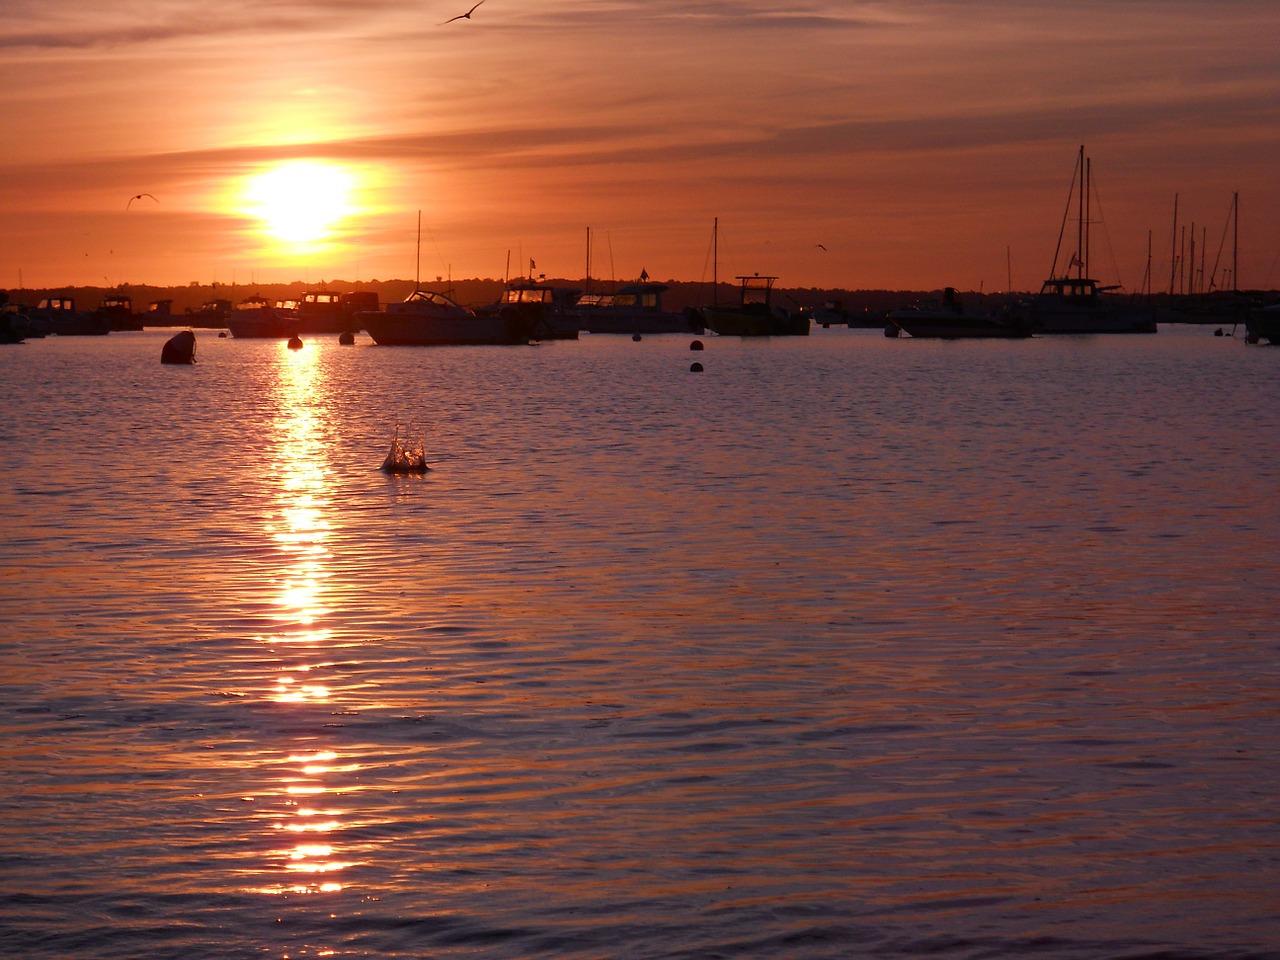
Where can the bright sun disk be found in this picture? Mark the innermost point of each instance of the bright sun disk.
(300, 201)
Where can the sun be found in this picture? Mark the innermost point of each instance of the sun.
(300, 201)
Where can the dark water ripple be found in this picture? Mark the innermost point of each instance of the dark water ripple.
(845, 647)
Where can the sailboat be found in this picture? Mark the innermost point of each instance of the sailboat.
(1074, 302)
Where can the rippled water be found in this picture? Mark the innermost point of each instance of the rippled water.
(843, 647)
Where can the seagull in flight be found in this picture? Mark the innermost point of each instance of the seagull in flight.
(820, 245)
(463, 16)
(141, 195)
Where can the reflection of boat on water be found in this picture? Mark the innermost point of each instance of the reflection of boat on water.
(754, 315)
(949, 319)
(1263, 324)
(538, 308)
(1079, 304)
(59, 316)
(633, 308)
(427, 318)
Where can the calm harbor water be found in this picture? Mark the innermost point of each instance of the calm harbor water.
(843, 647)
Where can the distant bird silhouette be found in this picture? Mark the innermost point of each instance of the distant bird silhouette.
(463, 16)
(820, 246)
(141, 195)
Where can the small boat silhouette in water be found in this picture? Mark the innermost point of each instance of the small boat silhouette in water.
(402, 458)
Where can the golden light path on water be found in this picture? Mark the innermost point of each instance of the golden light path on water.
(305, 817)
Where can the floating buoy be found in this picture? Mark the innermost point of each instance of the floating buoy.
(295, 343)
(222, 334)
(635, 337)
(180, 348)
(696, 345)
(695, 367)
(346, 338)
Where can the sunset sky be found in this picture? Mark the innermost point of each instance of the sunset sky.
(921, 144)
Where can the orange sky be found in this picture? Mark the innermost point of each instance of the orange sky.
(921, 144)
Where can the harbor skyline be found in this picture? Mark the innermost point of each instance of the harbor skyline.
(905, 146)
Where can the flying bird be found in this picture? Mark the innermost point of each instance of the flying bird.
(820, 246)
(141, 195)
(463, 16)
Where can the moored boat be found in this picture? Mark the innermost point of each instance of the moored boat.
(325, 311)
(754, 315)
(633, 308)
(949, 319)
(1077, 303)
(59, 316)
(210, 314)
(118, 310)
(255, 318)
(539, 308)
(1263, 324)
(427, 318)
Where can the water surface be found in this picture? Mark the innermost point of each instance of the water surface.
(843, 647)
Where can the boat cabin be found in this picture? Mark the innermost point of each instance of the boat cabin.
(1078, 290)
(756, 289)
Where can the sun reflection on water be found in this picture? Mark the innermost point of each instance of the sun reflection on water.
(304, 822)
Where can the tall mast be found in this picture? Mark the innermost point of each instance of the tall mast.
(1080, 250)
(1088, 212)
(417, 256)
(587, 282)
(1235, 242)
(1173, 251)
(715, 260)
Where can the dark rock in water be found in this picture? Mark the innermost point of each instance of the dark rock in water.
(180, 348)
(346, 338)
(295, 343)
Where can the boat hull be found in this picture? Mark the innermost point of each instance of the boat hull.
(406, 330)
(748, 322)
(1263, 324)
(923, 326)
(613, 320)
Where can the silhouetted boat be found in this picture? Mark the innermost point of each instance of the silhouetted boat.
(159, 313)
(59, 316)
(255, 318)
(540, 309)
(14, 325)
(633, 308)
(1077, 303)
(427, 318)
(323, 311)
(949, 319)
(754, 315)
(1263, 324)
(118, 310)
(211, 314)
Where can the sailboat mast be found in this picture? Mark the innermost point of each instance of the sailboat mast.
(1235, 242)
(587, 282)
(715, 260)
(417, 256)
(1088, 212)
(1173, 250)
(1080, 217)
